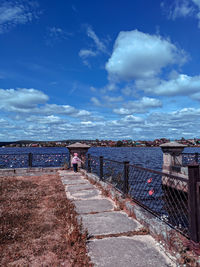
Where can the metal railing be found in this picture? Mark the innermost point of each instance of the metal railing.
(33, 160)
(190, 158)
(170, 198)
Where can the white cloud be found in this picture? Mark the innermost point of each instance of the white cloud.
(51, 119)
(181, 85)
(139, 55)
(54, 31)
(99, 44)
(87, 123)
(32, 101)
(57, 33)
(13, 13)
(140, 106)
(84, 53)
(113, 98)
(196, 96)
(95, 101)
(133, 119)
(82, 113)
(127, 90)
(160, 124)
(100, 47)
(183, 8)
(197, 2)
(21, 98)
(49, 109)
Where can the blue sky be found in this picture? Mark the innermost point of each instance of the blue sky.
(99, 69)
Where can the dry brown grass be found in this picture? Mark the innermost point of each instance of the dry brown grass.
(38, 225)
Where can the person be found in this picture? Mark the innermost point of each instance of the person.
(75, 161)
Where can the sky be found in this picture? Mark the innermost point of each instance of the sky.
(99, 69)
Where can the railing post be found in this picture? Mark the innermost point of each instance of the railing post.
(126, 177)
(194, 202)
(30, 159)
(196, 158)
(89, 163)
(101, 167)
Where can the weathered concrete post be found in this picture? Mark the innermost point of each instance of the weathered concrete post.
(172, 158)
(173, 165)
(80, 149)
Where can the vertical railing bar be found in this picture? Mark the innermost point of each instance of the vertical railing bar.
(196, 157)
(101, 167)
(30, 160)
(194, 178)
(126, 178)
(89, 163)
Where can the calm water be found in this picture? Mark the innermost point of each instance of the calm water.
(149, 157)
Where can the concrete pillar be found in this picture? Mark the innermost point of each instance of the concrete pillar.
(172, 164)
(80, 149)
(172, 158)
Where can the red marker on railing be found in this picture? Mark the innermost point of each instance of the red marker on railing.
(151, 192)
(149, 180)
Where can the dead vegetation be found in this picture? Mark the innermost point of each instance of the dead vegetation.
(38, 225)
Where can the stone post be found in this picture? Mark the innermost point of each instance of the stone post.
(172, 164)
(172, 158)
(80, 149)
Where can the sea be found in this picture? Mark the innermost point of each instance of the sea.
(148, 157)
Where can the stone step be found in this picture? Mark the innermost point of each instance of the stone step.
(105, 223)
(137, 251)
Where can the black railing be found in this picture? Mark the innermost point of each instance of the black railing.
(33, 160)
(170, 198)
(190, 158)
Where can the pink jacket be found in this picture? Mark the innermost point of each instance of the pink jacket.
(75, 160)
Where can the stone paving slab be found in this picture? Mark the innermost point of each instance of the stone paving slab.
(77, 188)
(75, 181)
(69, 174)
(137, 251)
(113, 222)
(90, 205)
(85, 194)
(71, 177)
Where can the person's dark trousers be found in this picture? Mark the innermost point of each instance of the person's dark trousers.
(75, 166)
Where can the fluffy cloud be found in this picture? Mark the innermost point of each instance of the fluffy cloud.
(180, 85)
(140, 106)
(13, 13)
(51, 119)
(132, 119)
(32, 101)
(139, 55)
(172, 125)
(21, 99)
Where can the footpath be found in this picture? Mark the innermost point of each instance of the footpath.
(114, 239)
